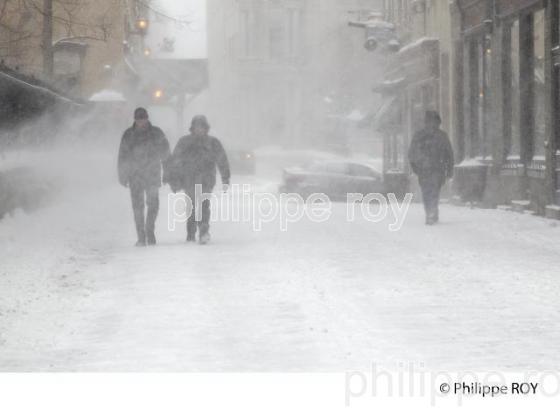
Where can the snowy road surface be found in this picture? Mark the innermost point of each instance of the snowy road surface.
(480, 291)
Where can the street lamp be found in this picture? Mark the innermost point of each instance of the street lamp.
(158, 94)
(380, 34)
(142, 25)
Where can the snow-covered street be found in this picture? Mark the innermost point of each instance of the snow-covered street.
(479, 292)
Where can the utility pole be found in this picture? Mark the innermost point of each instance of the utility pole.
(47, 39)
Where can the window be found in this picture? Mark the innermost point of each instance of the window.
(67, 62)
(362, 171)
(294, 33)
(555, 33)
(527, 101)
(480, 51)
(514, 149)
(337, 168)
(485, 53)
(277, 34)
(539, 86)
(318, 167)
(247, 33)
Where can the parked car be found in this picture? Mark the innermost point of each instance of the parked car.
(335, 178)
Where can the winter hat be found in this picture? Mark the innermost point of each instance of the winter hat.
(200, 120)
(433, 116)
(140, 114)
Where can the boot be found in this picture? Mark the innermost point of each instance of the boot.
(191, 229)
(191, 233)
(151, 239)
(204, 239)
(204, 236)
(431, 219)
(141, 238)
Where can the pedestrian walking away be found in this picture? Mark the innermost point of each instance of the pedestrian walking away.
(195, 161)
(431, 159)
(144, 150)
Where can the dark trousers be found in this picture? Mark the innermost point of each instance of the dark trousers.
(431, 189)
(199, 218)
(144, 196)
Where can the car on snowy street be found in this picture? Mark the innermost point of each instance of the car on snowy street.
(242, 161)
(335, 178)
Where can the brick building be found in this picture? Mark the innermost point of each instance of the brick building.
(88, 41)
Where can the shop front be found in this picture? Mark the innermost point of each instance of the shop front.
(510, 96)
(475, 150)
(553, 158)
(412, 86)
(525, 101)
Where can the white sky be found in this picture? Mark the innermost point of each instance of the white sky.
(190, 42)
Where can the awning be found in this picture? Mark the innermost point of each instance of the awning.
(388, 118)
(8, 80)
(390, 86)
(23, 98)
(356, 118)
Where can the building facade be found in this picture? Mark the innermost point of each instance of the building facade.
(491, 67)
(86, 41)
(508, 81)
(418, 77)
(284, 72)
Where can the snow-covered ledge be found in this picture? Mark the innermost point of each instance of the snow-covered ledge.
(471, 163)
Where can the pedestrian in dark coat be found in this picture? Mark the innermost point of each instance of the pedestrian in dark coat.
(193, 163)
(143, 151)
(431, 158)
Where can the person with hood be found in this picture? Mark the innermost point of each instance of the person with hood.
(144, 149)
(193, 163)
(431, 159)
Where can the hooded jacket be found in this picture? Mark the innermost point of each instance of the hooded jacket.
(194, 161)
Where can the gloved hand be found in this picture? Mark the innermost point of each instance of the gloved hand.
(225, 187)
(449, 173)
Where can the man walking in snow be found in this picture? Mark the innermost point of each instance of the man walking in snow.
(431, 158)
(193, 163)
(143, 151)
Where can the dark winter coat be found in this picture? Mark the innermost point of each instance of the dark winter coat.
(431, 154)
(141, 156)
(194, 161)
